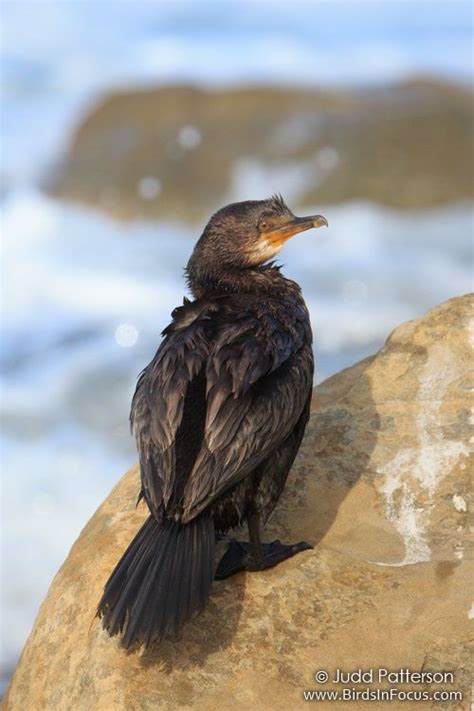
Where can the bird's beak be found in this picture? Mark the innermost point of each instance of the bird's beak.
(279, 235)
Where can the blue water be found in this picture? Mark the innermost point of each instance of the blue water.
(84, 298)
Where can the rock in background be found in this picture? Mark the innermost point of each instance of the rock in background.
(181, 152)
(381, 489)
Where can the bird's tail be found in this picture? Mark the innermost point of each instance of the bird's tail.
(163, 578)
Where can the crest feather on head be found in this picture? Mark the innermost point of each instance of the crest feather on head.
(278, 203)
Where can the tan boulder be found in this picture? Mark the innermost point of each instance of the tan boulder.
(381, 489)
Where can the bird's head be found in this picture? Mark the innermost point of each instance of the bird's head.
(247, 234)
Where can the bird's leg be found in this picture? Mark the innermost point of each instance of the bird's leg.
(255, 555)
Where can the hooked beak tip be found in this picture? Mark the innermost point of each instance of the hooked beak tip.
(320, 221)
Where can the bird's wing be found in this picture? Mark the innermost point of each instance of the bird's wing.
(159, 401)
(259, 374)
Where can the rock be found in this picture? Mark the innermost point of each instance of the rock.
(147, 153)
(380, 487)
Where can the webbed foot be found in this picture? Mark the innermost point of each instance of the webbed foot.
(237, 557)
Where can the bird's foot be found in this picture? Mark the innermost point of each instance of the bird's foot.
(237, 557)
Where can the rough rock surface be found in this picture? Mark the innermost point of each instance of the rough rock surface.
(380, 488)
(148, 153)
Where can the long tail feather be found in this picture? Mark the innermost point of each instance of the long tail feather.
(161, 581)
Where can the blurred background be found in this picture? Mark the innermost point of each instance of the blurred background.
(124, 125)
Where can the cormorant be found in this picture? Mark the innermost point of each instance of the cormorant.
(218, 416)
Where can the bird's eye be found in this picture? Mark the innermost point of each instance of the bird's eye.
(263, 225)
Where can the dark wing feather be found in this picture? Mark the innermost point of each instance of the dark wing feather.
(159, 399)
(257, 367)
(259, 374)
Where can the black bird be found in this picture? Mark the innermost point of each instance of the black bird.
(218, 416)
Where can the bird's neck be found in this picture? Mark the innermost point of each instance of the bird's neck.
(264, 279)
